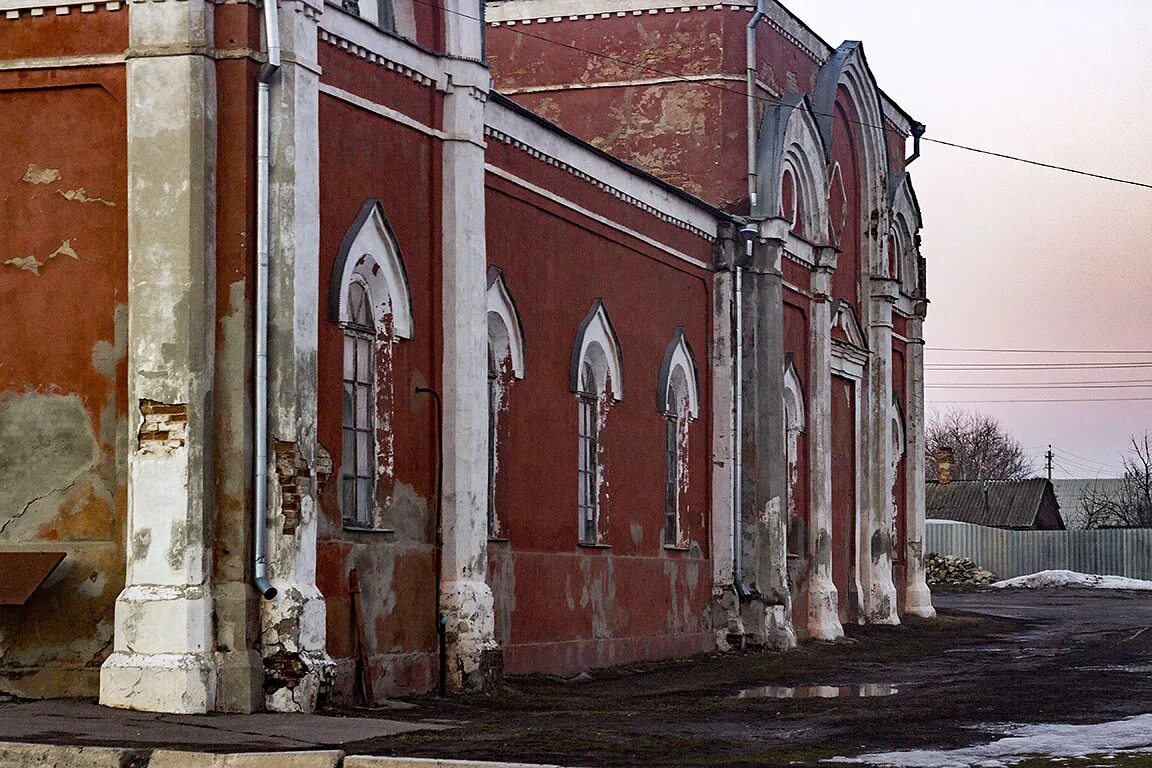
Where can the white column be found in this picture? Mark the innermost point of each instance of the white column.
(465, 597)
(293, 624)
(726, 621)
(917, 596)
(823, 607)
(879, 522)
(162, 656)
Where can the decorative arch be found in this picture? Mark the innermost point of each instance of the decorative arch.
(898, 437)
(598, 345)
(848, 67)
(505, 332)
(678, 374)
(795, 416)
(906, 224)
(369, 252)
(790, 143)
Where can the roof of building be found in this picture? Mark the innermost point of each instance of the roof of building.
(997, 503)
(1070, 492)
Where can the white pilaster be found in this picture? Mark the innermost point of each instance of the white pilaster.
(465, 597)
(879, 523)
(162, 656)
(293, 624)
(917, 596)
(823, 610)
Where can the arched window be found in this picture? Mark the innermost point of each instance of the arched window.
(359, 407)
(370, 300)
(794, 425)
(678, 399)
(589, 469)
(597, 379)
(505, 364)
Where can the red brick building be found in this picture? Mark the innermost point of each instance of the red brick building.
(329, 367)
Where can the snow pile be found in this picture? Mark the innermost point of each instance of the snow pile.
(1073, 579)
(1130, 736)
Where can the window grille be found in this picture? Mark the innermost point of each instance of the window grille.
(493, 406)
(672, 479)
(359, 476)
(588, 481)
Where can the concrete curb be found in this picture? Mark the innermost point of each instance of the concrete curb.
(166, 758)
(360, 761)
(18, 755)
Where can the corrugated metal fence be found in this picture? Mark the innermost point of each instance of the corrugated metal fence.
(1119, 552)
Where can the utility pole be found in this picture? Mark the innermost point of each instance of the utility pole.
(1048, 461)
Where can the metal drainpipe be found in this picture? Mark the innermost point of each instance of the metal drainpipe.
(263, 222)
(738, 389)
(918, 130)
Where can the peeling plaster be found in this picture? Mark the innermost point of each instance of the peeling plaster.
(34, 265)
(39, 175)
(81, 196)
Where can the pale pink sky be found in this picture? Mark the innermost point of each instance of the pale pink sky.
(1019, 256)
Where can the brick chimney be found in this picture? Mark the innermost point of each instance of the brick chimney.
(944, 466)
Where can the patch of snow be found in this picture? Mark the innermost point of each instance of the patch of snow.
(1073, 579)
(1130, 736)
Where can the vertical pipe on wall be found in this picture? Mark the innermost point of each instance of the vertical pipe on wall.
(263, 226)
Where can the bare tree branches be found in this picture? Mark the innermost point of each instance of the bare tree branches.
(1131, 505)
(981, 449)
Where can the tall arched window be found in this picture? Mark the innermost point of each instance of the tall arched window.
(359, 407)
(505, 364)
(597, 379)
(369, 298)
(589, 468)
(679, 401)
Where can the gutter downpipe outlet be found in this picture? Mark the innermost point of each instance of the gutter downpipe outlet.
(263, 226)
(918, 130)
(742, 591)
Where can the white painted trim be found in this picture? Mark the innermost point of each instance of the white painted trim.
(500, 172)
(794, 390)
(380, 109)
(597, 345)
(368, 42)
(559, 10)
(59, 7)
(634, 83)
(374, 257)
(559, 148)
(679, 357)
(502, 315)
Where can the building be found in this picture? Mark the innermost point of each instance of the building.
(329, 368)
(1023, 505)
(1073, 494)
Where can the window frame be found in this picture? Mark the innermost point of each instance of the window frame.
(588, 466)
(360, 336)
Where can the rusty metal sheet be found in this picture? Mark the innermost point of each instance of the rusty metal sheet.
(21, 573)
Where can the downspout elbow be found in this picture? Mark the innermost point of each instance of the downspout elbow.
(918, 130)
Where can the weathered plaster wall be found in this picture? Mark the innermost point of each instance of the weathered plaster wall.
(364, 156)
(796, 348)
(563, 607)
(63, 407)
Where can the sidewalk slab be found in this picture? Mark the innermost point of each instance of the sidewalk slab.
(359, 761)
(166, 758)
(13, 755)
(64, 721)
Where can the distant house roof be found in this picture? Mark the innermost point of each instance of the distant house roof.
(1070, 492)
(1021, 504)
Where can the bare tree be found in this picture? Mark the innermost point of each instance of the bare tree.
(981, 449)
(1130, 506)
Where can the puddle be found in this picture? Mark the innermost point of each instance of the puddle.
(1135, 669)
(817, 691)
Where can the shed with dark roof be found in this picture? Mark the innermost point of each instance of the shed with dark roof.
(1017, 504)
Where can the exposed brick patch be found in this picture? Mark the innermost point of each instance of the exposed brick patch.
(293, 474)
(164, 428)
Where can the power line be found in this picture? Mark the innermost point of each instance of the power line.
(1068, 385)
(776, 102)
(1109, 365)
(1044, 351)
(1061, 400)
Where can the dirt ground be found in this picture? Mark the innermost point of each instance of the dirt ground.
(992, 658)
